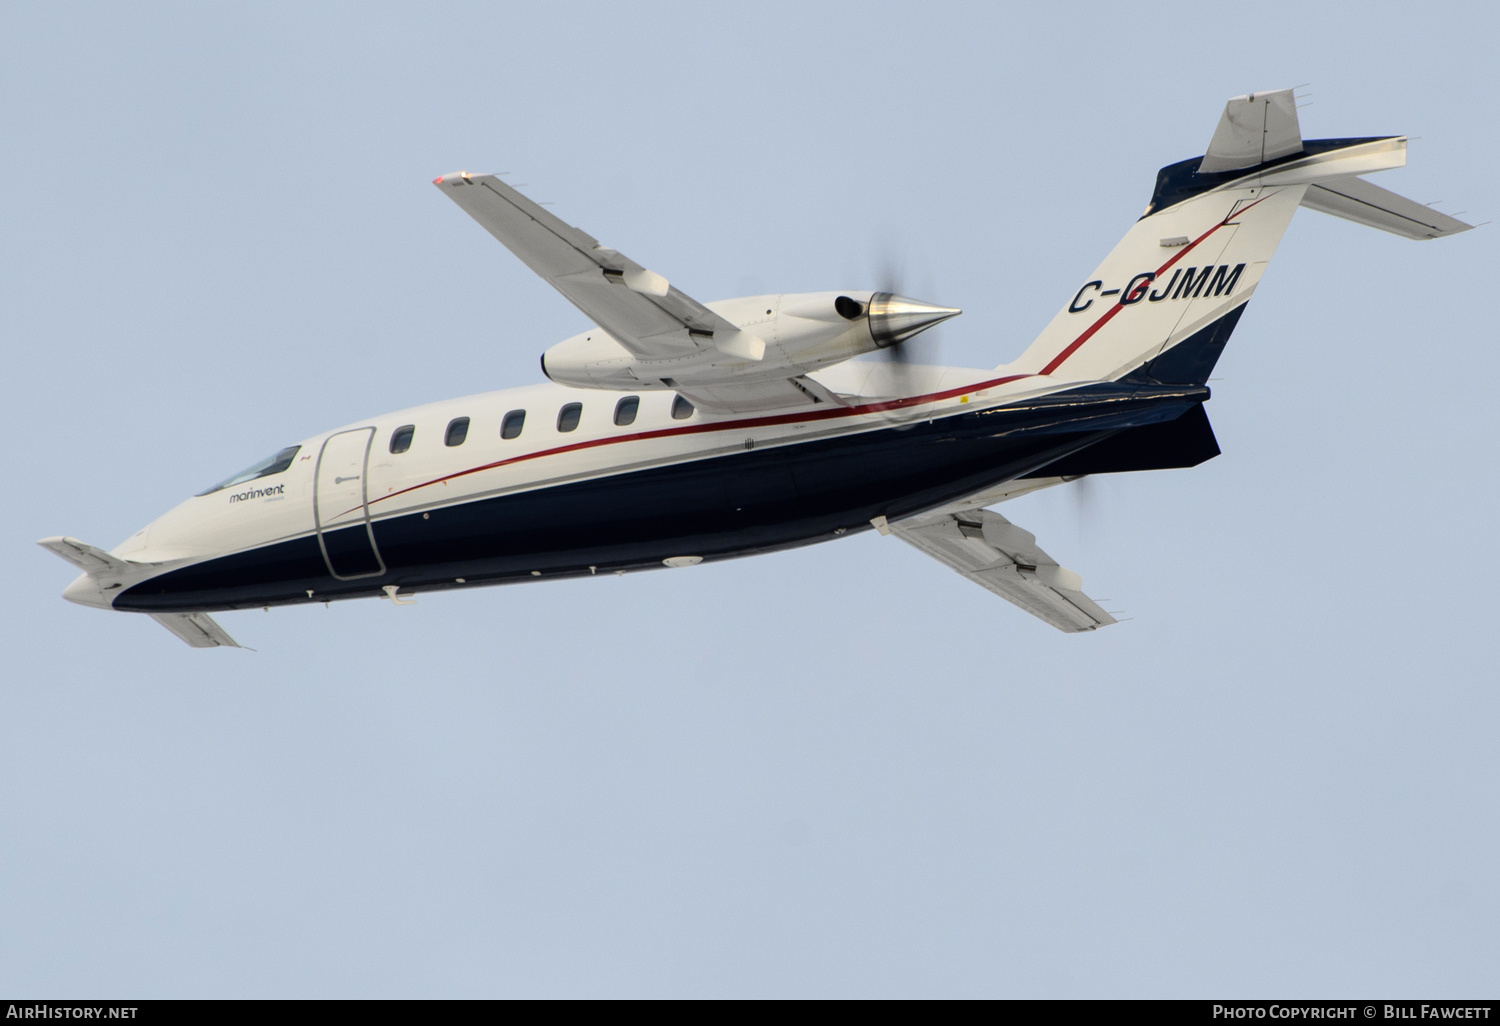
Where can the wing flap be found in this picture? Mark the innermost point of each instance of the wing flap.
(1003, 558)
(640, 308)
(755, 395)
(994, 495)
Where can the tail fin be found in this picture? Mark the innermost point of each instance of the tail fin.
(1185, 270)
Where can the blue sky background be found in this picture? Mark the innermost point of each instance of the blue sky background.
(834, 772)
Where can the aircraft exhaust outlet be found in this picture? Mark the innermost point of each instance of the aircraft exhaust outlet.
(895, 319)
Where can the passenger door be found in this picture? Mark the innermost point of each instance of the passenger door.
(341, 506)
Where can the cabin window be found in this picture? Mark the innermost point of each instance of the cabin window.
(458, 430)
(681, 408)
(568, 416)
(273, 464)
(401, 437)
(626, 409)
(511, 426)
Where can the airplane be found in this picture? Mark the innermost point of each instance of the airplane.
(673, 432)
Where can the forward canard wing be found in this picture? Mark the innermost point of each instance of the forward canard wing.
(197, 629)
(105, 574)
(1003, 558)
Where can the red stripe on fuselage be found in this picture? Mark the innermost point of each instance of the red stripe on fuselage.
(812, 415)
(725, 425)
(1118, 306)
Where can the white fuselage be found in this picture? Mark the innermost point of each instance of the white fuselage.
(431, 474)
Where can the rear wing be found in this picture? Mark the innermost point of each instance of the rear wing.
(1003, 558)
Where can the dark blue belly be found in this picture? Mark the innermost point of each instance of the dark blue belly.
(749, 502)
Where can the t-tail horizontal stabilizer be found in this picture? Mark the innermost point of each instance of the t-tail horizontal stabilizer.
(1262, 128)
(1185, 270)
(996, 554)
(1357, 200)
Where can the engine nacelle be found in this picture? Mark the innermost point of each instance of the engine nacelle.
(793, 333)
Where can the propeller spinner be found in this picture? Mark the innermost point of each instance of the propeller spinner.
(894, 319)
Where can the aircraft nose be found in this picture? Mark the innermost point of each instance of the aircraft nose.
(895, 318)
(85, 591)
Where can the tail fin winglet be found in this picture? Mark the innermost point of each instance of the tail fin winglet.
(1254, 129)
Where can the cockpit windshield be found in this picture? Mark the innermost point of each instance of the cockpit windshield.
(265, 468)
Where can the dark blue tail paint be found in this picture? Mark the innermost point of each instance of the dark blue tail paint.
(1182, 181)
(1185, 442)
(1192, 360)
